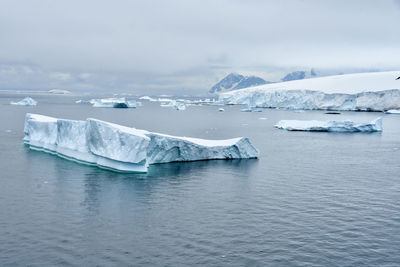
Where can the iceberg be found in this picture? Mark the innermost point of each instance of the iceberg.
(80, 101)
(148, 98)
(174, 104)
(27, 101)
(358, 92)
(113, 103)
(330, 126)
(393, 111)
(115, 147)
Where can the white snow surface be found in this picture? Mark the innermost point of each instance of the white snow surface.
(330, 126)
(27, 101)
(377, 91)
(121, 148)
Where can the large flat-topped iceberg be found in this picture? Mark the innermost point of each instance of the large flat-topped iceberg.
(121, 148)
(330, 126)
(377, 91)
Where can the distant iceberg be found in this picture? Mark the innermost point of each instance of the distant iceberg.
(121, 148)
(330, 126)
(80, 101)
(362, 92)
(148, 98)
(174, 104)
(27, 101)
(393, 111)
(113, 103)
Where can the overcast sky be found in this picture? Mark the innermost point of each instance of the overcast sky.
(169, 45)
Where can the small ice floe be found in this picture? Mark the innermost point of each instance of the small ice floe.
(246, 110)
(174, 104)
(221, 110)
(298, 111)
(148, 98)
(333, 113)
(330, 126)
(262, 118)
(393, 111)
(113, 103)
(27, 101)
(80, 101)
(59, 92)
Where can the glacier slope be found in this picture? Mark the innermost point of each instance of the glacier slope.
(364, 92)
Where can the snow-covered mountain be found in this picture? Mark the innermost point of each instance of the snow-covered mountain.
(299, 75)
(237, 81)
(374, 91)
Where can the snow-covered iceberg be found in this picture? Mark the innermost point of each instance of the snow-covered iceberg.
(393, 111)
(174, 104)
(113, 103)
(148, 98)
(27, 101)
(121, 148)
(363, 91)
(330, 126)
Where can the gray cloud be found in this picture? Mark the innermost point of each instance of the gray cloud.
(173, 44)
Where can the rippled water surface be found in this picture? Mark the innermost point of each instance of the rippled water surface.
(311, 199)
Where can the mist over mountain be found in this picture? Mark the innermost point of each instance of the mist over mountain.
(234, 81)
(299, 75)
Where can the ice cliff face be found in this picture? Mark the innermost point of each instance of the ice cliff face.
(236, 81)
(120, 148)
(364, 92)
(330, 126)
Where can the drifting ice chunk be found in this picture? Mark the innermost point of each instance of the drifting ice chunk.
(393, 111)
(120, 148)
(27, 101)
(113, 103)
(148, 98)
(80, 101)
(174, 104)
(330, 126)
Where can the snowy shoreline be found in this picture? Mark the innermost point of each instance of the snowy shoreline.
(368, 92)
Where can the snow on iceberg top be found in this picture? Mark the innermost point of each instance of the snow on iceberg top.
(38, 117)
(330, 126)
(125, 129)
(346, 83)
(393, 111)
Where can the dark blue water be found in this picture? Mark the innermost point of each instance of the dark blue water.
(311, 199)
